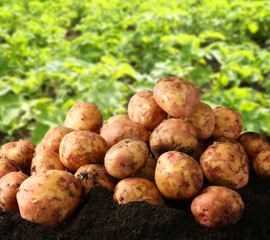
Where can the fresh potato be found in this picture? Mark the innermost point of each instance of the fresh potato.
(253, 143)
(115, 118)
(148, 171)
(261, 164)
(49, 198)
(173, 134)
(203, 120)
(226, 164)
(217, 206)
(21, 152)
(93, 175)
(228, 123)
(84, 116)
(82, 147)
(7, 166)
(46, 160)
(176, 96)
(134, 189)
(9, 186)
(143, 109)
(126, 158)
(178, 176)
(122, 129)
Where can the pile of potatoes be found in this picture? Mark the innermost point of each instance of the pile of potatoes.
(167, 145)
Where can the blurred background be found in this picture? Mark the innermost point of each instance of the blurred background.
(55, 53)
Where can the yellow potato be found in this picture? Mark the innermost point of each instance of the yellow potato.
(115, 118)
(7, 166)
(261, 164)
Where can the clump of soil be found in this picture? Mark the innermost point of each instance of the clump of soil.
(99, 217)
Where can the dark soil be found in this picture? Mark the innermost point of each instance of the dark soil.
(99, 217)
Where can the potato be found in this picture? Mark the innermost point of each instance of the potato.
(143, 109)
(176, 96)
(7, 166)
(84, 116)
(21, 152)
(253, 143)
(126, 158)
(261, 164)
(173, 134)
(226, 164)
(203, 120)
(201, 147)
(93, 175)
(9, 186)
(49, 198)
(134, 189)
(115, 118)
(46, 160)
(122, 129)
(217, 206)
(228, 123)
(82, 147)
(148, 171)
(178, 176)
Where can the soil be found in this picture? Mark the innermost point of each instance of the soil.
(99, 217)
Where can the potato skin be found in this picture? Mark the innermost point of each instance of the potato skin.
(7, 166)
(226, 164)
(178, 176)
(134, 189)
(9, 185)
(122, 129)
(82, 147)
(49, 198)
(115, 118)
(143, 109)
(217, 207)
(261, 164)
(93, 175)
(176, 96)
(228, 123)
(173, 134)
(148, 170)
(84, 116)
(126, 158)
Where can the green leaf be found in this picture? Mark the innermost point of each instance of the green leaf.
(39, 132)
(253, 27)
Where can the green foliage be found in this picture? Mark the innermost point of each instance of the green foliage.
(54, 54)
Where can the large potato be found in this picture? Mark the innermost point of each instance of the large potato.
(126, 158)
(173, 134)
(176, 96)
(93, 175)
(217, 207)
(122, 129)
(143, 109)
(261, 164)
(7, 166)
(84, 116)
(134, 189)
(178, 176)
(21, 152)
(228, 123)
(9, 186)
(225, 163)
(49, 198)
(82, 147)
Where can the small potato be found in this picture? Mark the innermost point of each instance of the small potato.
(9, 186)
(217, 207)
(7, 166)
(203, 120)
(122, 129)
(173, 134)
(82, 147)
(143, 109)
(20, 152)
(226, 164)
(228, 123)
(148, 171)
(84, 116)
(126, 158)
(261, 164)
(134, 189)
(49, 198)
(46, 160)
(253, 143)
(178, 176)
(115, 118)
(93, 175)
(176, 96)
